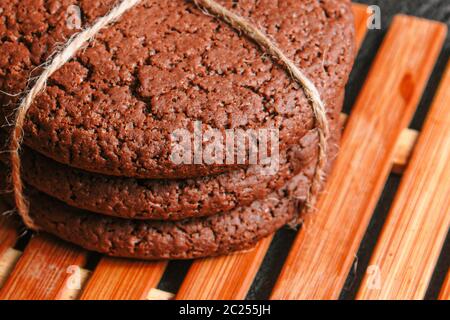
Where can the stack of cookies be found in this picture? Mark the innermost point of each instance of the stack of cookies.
(103, 158)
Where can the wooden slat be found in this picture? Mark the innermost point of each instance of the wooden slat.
(361, 15)
(230, 277)
(325, 247)
(445, 290)
(120, 279)
(7, 262)
(8, 230)
(156, 294)
(74, 293)
(42, 270)
(403, 149)
(223, 278)
(417, 225)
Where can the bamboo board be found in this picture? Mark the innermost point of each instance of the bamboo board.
(418, 223)
(376, 142)
(326, 246)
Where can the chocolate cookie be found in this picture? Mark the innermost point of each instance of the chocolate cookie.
(171, 199)
(191, 238)
(161, 67)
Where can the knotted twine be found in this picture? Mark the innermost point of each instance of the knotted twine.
(79, 40)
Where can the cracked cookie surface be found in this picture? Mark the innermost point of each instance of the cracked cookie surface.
(171, 199)
(165, 64)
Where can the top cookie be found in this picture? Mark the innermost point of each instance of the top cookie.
(162, 66)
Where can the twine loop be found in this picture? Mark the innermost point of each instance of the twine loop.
(81, 39)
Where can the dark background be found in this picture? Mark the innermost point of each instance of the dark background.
(430, 9)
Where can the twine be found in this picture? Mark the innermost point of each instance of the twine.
(79, 40)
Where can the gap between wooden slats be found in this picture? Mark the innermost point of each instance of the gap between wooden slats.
(324, 250)
(230, 277)
(415, 230)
